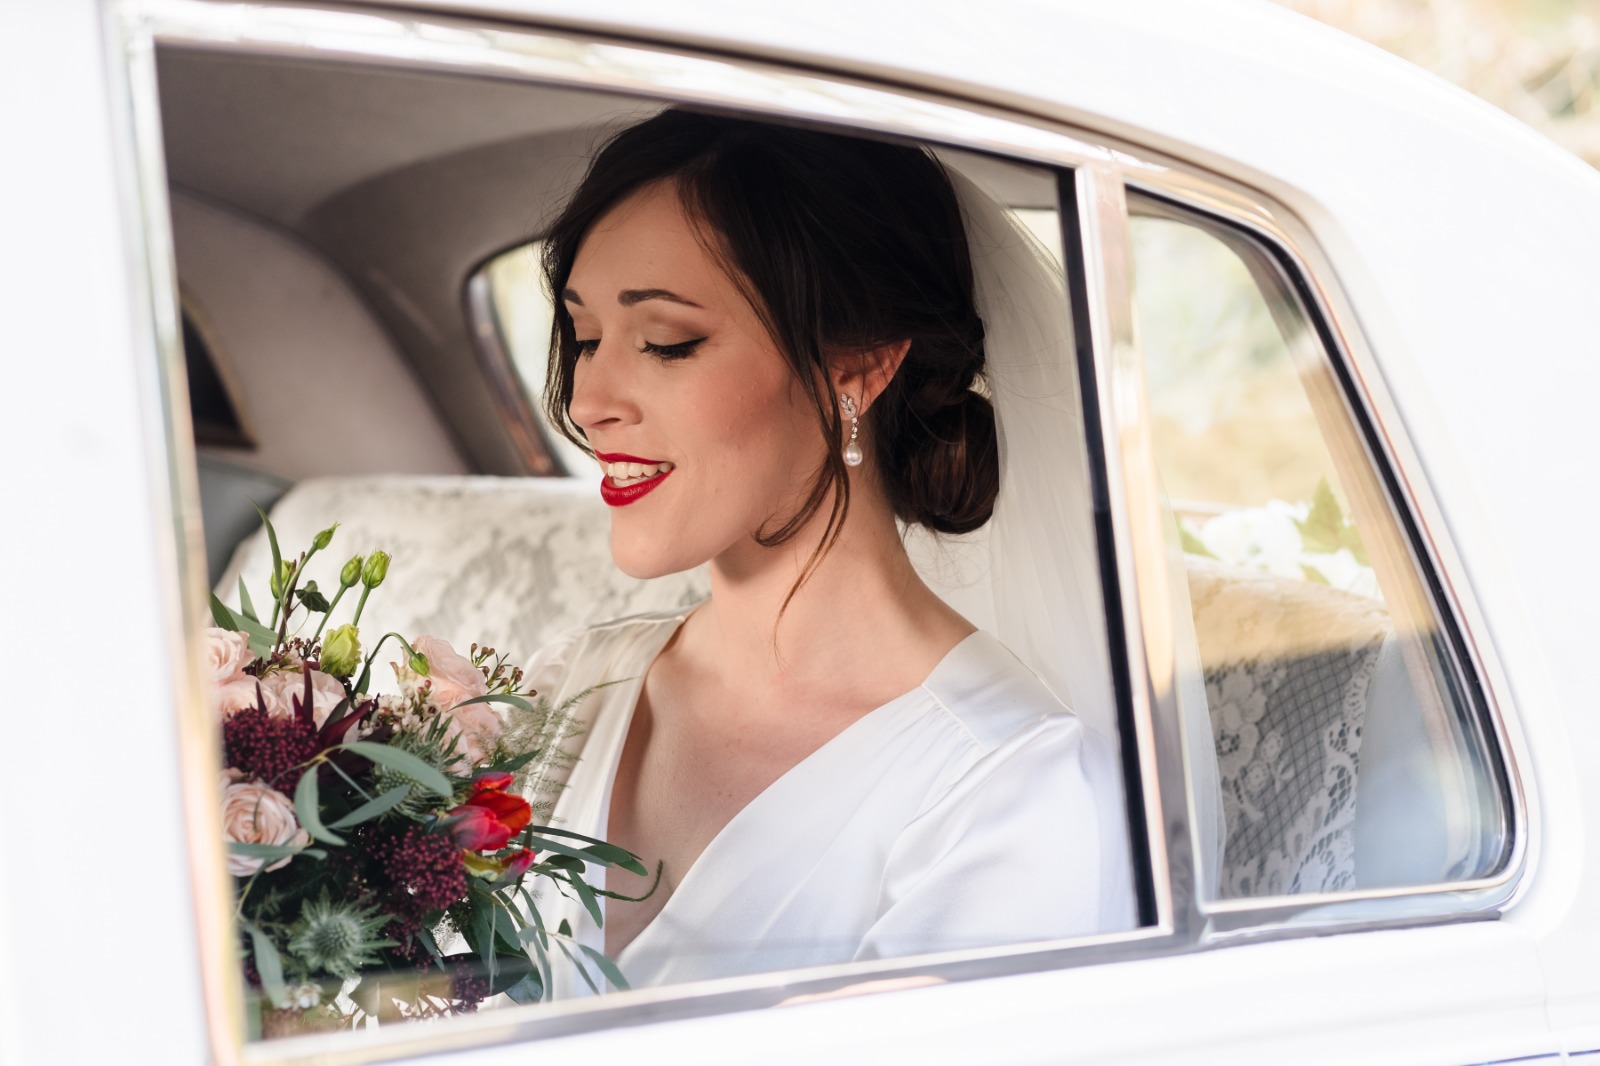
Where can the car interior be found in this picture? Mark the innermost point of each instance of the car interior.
(331, 224)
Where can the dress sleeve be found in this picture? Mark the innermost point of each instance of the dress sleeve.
(1029, 843)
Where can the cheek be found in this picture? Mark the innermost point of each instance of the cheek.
(770, 432)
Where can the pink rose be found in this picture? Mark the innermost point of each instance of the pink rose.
(453, 675)
(235, 696)
(283, 687)
(226, 655)
(252, 813)
(476, 726)
(452, 679)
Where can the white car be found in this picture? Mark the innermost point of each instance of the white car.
(1336, 347)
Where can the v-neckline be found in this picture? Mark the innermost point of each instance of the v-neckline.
(620, 740)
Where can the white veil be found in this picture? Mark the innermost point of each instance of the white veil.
(1031, 575)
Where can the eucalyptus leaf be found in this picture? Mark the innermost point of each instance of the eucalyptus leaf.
(425, 935)
(607, 967)
(511, 970)
(541, 938)
(268, 964)
(483, 938)
(528, 990)
(272, 538)
(544, 844)
(563, 862)
(586, 894)
(221, 615)
(505, 924)
(374, 807)
(403, 762)
(305, 808)
(576, 965)
(599, 851)
(518, 702)
(550, 830)
(245, 606)
(538, 922)
(611, 855)
(267, 852)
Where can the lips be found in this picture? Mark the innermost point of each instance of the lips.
(628, 478)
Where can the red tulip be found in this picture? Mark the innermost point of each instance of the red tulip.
(517, 865)
(495, 780)
(488, 820)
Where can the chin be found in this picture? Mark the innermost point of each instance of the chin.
(645, 561)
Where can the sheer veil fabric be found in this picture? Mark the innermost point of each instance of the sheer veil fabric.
(1044, 597)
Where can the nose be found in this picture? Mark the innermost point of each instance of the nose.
(602, 390)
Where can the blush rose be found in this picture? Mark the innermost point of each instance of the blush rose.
(225, 654)
(252, 813)
(282, 687)
(453, 679)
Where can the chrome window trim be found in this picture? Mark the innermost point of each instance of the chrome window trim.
(1101, 167)
(1378, 421)
(511, 395)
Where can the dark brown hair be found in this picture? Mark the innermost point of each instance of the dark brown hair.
(841, 244)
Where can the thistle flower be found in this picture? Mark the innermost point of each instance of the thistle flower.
(338, 937)
(341, 651)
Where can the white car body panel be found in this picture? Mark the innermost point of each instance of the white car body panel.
(1465, 243)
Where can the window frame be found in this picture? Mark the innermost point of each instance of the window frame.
(1094, 170)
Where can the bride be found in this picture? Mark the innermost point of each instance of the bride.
(770, 340)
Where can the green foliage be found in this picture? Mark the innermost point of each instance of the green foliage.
(311, 599)
(306, 922)
(308, 810)
(1326, 529)
(1191, 544)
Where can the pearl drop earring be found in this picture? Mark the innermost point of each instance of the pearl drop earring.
(852, 450)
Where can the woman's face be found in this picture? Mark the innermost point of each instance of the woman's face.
(677, 378)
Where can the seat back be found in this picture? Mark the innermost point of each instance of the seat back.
(1288, 668)
(508, 562)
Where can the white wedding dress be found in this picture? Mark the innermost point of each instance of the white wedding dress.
(972, 811)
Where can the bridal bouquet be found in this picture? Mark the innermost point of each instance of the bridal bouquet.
(368, 833)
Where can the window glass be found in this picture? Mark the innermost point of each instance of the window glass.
(1348, 745)
(521, 310)
(420, 714)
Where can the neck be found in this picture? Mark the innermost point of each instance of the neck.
(862, 611)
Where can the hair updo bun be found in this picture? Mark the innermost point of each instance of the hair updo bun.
(844, 245)
(935, 437)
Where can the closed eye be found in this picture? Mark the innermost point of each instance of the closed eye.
(587, 348)
(681, 350)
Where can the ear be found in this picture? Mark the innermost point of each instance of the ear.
(864, 374)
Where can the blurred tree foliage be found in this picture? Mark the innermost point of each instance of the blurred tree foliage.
(1537, 59)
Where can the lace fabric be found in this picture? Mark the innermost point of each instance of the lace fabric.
(509, 562)
(1288, 668)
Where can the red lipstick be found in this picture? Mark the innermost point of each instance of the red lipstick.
(621, 495)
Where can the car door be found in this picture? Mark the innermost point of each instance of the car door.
(1441, 970)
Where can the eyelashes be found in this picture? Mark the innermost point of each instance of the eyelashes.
(665, 352)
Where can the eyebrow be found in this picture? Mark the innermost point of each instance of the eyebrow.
(629, 297)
